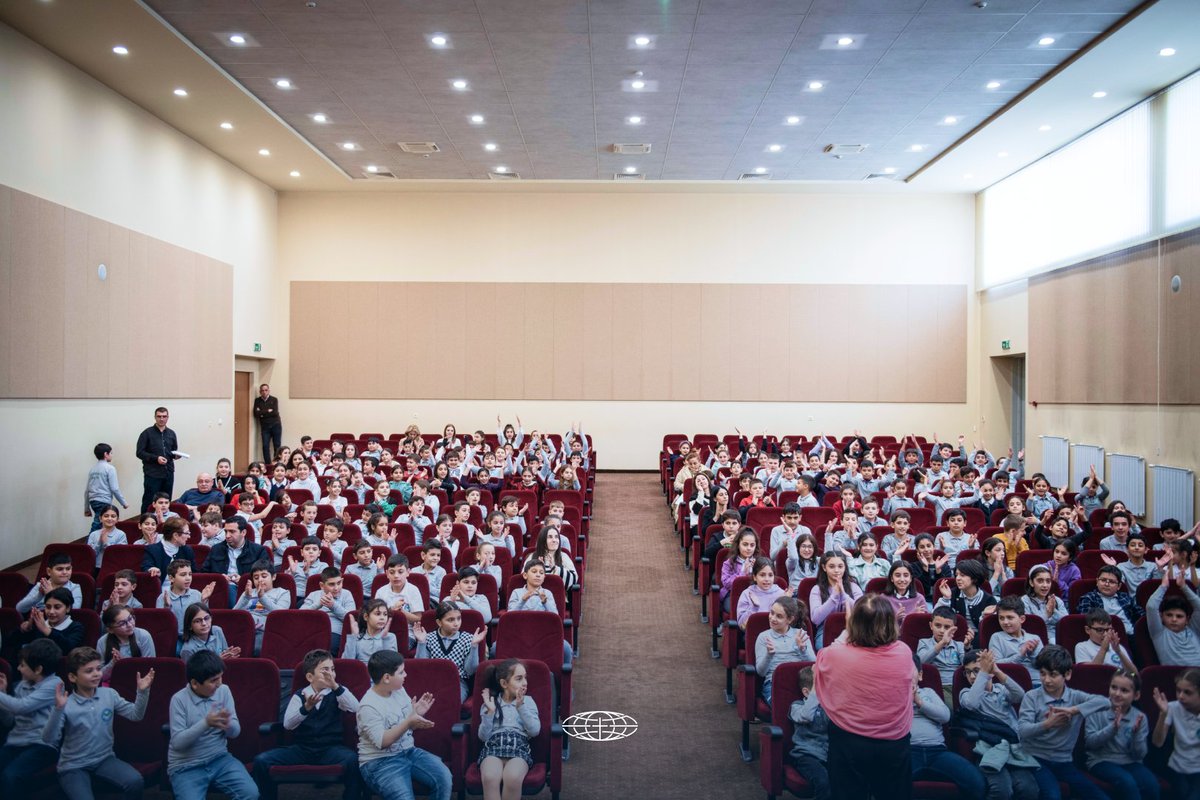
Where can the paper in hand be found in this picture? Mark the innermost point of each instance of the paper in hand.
(179, 454)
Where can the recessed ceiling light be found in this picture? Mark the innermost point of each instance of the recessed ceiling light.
(792, 121)
(993, 84)
(634, 120)
(372, 168)
(760, 170)
(283, 83)
(477, 119)
(641, 41)
(630, 170)
(1099, 94)
(845, 41)
(889, 170)
(320, 118)
(1046, 41)
(816, 86)
(181, 92)
(501, 168)
(1167, 51)
(1002, 154)
(122, 50)
(490, 147)
(916, 148)
(295, 173)
(349, 146)
(264, 152)
(227, 126)
(438, 40)
(1043, 128)
(774, 148)
(638, 84)
(237, 38)
(459, 84)
(950, 120)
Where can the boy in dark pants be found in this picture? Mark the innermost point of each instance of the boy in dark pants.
(314, 716)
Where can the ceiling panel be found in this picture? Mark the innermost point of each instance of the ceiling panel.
(555, 80)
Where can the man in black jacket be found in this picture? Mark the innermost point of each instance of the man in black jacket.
(156, 447)
(236, 555)
(266, 411)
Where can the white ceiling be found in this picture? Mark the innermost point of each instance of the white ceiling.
(552, 79)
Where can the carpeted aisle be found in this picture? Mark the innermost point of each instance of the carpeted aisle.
(644, 652)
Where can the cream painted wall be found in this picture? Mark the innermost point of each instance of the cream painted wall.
(67, 138)
(628, 236)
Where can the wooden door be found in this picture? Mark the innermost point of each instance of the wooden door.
(243, 426)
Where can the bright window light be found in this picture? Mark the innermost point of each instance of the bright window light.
(1182, 204)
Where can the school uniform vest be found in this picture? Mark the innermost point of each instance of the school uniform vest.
(322, 727)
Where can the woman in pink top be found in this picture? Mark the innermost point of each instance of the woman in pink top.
(864, 685)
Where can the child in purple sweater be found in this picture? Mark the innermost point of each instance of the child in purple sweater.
(760, 594)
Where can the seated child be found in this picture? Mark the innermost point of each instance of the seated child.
(1174, 624)
(1136, 569)
(314, 716)
(123, 639)
(1116, 741)
(810, 741)
(416, 518)
(365, 567)
(369, 632)
(331, 538)
(124, 584)
(931, 759)
(334, 601)
(107, 534)
(203, 719)
(968, 596)
(1108, 595)
(82, 721)
(788, 529)
(24, 754)
(453, 644)
(760, 594)
(1103, 645)
(485, 562)
(401, 596)
(310, 564)
(430, 567)
(53, 621)
(1062, 566)
(496, 533)
(802, 560)
(179, 594)
(1040, 599)
(465, 594)
(388, 759)
(941, 649)
(532, 597)
(929, 567)
(58, 575)
(1050, 719)
(261, 598)
(200, 634)
(1011, 644)
(1182, 714)
(986, 711)
(507, 721)
(785, 640)
(867, 565)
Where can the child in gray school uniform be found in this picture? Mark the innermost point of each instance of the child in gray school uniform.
(941, 649)
(986, 710)
(1012, 644)
(24, 754)
(810, 741)
(334, 601)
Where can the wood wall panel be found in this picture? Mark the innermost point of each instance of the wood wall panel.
(646, 341)
(1097, 330)
(160, 326)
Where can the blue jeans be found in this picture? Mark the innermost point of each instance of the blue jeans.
(296, 754)
(77, 783)
(19, 763)
(224, 773)
(97, 508)
(392, 777)
(939, 764)
(1054, 771)
(1185, 787)
(1129, 781)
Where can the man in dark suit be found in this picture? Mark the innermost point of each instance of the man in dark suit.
(236, 555)
(173, 545)
(266, 411)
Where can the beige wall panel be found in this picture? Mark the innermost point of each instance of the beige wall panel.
(716, 342)
(452, 298)
(423, 374)
(22, 307)
(539, 341)
(1181, 319)
(627, 341)
(568, 344)
(744, 355)
(951, 385)
(772, 342)
(658, 318)
(169, 266)
(508, 328)
(905, 335)
(105, 370)
(482, 361)
(111, 293)
(7, 329)
(191, 328)
(598, 353)
(1133, 301)
(305, 338)
(393, 378)
(687, 342)
(87, 314)
(837, 337)
(50, 294)
(357, 366)
(799, 357)
(137, 302)
(216, 357)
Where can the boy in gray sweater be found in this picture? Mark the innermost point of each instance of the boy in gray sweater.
(82, 721)
(810, 742)
(24, 754)
(1174, 624)
(990, 697)
(1049, 724)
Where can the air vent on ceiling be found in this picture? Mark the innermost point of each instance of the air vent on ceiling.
(755, 176)
(839, 150)
(379, 174)
(631, 149)
(504, 176)
(419, 148)
(626, 176)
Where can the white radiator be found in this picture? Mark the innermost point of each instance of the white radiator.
(1084, 456)
(1127, 482)
(1174, 494)
(1055, 456)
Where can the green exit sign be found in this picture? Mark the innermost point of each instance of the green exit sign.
(258, 346)
(1005, 344)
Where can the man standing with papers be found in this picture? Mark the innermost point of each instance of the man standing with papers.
(158, 448)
